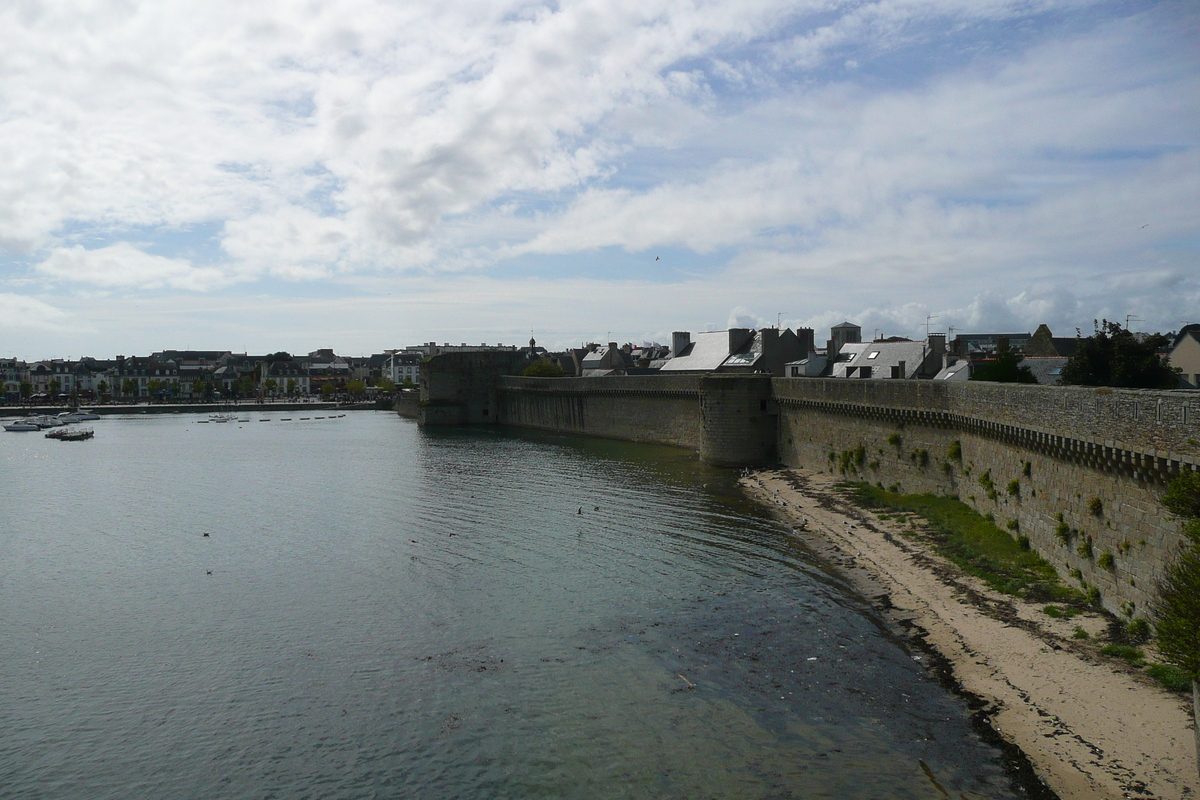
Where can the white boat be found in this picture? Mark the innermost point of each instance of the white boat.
(78, 415)
(22, 425)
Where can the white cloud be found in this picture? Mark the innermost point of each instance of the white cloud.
(125, 266)
(22, 312)
(986, 172)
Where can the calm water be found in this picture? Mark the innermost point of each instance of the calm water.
(394, 613)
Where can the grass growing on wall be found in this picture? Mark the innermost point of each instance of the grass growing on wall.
(975, 544)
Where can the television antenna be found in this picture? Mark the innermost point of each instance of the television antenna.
(1129, 317)
(778, 318)
(929, 319)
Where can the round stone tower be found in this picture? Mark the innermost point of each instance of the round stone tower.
(738, 421)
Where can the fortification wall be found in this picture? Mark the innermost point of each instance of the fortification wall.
(738, 425)
(1099, 458)
(662, 409)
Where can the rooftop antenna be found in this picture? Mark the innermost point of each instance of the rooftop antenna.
(778, 317)
(928, 320)
(876, 336)
(1129, 317)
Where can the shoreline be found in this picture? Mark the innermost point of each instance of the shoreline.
(1089, 727)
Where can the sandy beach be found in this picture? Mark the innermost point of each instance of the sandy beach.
(1092, 726)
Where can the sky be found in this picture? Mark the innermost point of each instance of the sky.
(362, 175)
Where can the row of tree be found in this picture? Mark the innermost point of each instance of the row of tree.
(1111, 356)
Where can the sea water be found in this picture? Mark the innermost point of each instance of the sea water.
(353, 607)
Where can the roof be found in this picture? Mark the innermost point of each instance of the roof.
(880, 357)
(1047, 370)
(846, 325)
(959, 371)
(748, 354)
(706, 352)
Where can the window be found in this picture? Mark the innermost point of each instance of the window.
(873, 354)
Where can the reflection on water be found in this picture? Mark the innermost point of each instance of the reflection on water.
(380, 611)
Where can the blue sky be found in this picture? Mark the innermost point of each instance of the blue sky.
(363, 175)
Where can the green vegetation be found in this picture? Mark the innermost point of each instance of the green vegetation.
(1014, 487)
(1132, 654)
(976, 545)
(1106, 561)
(545, 368)
(1138, 630)
(1006, 368)
(955, 452)
(1113, 356)
(1060, 613)
(1080, 633)
(1085, 548)
(1063, 531)
(1027, 469)
(1171, 677)
(1096, 507)
(896, 440)
(920, 457)
(1013, 525)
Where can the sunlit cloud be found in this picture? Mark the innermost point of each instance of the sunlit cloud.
(988, 163)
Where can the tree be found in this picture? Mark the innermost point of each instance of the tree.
(1176, 610)
(545, 368)
(1006, 368)
(1113, 356)
(291, 387)
(282, 355)
(26, 389)
(356, 388)
(386, 385)
(246, 386)
(54, 387)
(327, 390)
(198, 388)
(102, 387)
(129, 387)
(270, 385)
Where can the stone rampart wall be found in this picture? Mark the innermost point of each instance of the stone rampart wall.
(1079, 470)
(663, 409)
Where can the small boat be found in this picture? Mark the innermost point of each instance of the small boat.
(76, 435)
(22, 425)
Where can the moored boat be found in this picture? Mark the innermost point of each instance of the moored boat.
(74, 435)
(22, 425)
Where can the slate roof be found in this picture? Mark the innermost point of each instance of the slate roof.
(1047, 370)
(881, 357)
(707, 352)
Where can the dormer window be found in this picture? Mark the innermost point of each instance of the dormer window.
(873, 354)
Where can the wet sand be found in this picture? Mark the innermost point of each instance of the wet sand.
(1092, 726)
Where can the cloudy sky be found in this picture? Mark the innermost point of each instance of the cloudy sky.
(362, 174)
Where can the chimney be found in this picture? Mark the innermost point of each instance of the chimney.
(738, 337)
(679, 341)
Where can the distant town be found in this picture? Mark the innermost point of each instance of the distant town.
(213, 375)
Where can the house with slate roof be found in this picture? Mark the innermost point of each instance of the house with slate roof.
(1185, 354)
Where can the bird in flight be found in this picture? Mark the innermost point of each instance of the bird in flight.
(656, 258)
(1147, 225)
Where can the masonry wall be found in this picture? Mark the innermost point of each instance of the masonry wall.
(1099, 458)
(662, 409)
(738, 425)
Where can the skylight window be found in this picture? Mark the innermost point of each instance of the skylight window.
(873, 354)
